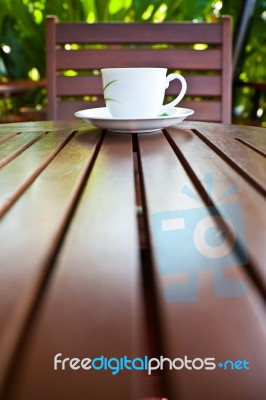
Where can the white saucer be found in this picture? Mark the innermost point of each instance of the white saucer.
(101, 118)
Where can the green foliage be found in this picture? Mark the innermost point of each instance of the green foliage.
(22, 31)
(254, 55)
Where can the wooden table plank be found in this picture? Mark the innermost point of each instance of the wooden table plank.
(33, 227)
(15, 127)
(96, 281)
(7, 135)
(251, 136)
(212, 325)
(225, 138)
(17, 145)
(30, 166)
(256, 144)
(253, 204)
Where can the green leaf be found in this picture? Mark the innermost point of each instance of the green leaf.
(108, 84)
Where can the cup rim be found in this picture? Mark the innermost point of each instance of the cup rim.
(133, 68)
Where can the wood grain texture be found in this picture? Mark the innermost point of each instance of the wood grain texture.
(172, 58)
(17, 143)
(97, 280)
(250, 161)
(227, 51)
(72, 280)
(15, 184)
(203, 110)
(195, 320)
(138, 33)
(82, 85)
(35, 230)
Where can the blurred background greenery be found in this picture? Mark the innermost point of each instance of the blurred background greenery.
(22, 42)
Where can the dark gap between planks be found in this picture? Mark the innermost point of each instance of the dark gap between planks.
(231, 163)
(16, 153)
(251, 147)
(10, 137)
(151, 302)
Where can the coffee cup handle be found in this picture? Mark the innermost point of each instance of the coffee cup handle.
(173, 103)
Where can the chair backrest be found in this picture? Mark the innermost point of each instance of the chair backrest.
(202, 52)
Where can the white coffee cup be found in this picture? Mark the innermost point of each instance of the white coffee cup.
(138, 92)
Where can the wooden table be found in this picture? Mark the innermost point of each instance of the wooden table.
(99, 261)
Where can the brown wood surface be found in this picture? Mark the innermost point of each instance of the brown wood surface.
(138, 45)
(71, 277)
(73, 85)
(246, 151)
(101, 296)
(15, 144)
(46, 219)
(221, 327)
(36, 228)
(203, 110)
(138, 33)
(175, 59)
(227, 51)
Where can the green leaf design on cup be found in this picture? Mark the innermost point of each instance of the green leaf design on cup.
(105, 87)
(108, 84)
(109, 99)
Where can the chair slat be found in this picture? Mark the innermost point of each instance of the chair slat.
(204, 110)
(84, 85)
(115, 58)
(66, 109)
(184, 32)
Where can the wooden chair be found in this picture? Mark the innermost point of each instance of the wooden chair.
(200, 51)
